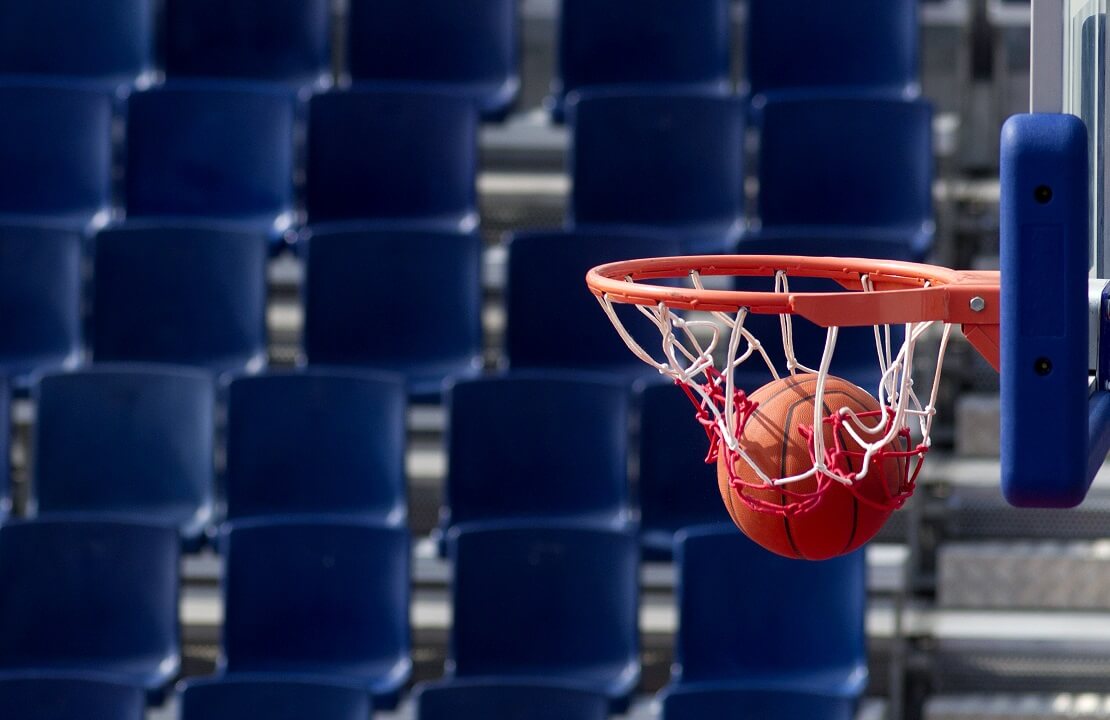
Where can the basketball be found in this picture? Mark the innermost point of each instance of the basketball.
(838, 523)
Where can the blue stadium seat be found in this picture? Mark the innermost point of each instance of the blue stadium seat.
(385, 155)
(317, 441)
(530, 446)
(40, 300)
(318, 599)
(470, 49)
(69, 697)
(698, 703)
(90, 597)
(212, 151)
(677, 487)
(553, 320)
(805, 628)
(275, 40)
(180, 293)
(864, 163)
(56, 151)
(271, 697)
(673, 162)
(660, 43)
(547, 603)
(788, 50)
(109, 40)
(129, 441)
(506, 699)
(406, 301)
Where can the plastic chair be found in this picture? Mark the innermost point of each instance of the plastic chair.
(662, 161)
(128, 441)
(864, 45)
(212, 151)
(848, 162)
(90, 597)
(110, 40)
(185, 294)
(470, 49)
(397, 300)
(67, 697)
(318, 599)
(505, 699)
(56, 151)
(40, 300)
(529, 446)
(552, 319)
(677, 487)
(275, 40)
(271, 697)
(317, 442)
(675, 162)
(393, 156)
(654, 43)
(549, 603)
(697, 703)
(805, 629)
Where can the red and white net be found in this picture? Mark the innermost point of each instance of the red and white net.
(701, 352)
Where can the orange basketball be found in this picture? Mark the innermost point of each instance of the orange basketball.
(838, 523)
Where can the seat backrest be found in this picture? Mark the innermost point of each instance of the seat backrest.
(845, 161)
(437, 41)
(40, 297)
(272, 697)
(484, 699)
(390, 297)
(210, 150)
(530, 600)
(85, 594)
(643, 42)
(180, 294)
(697, 703)
(375, 154)
(657, 159)
(313, 594)
(746, 612)
(677, 486)
(316, 442)
(553, 320)
(46, 697)
(111, 39)
(132, 440)
(282, 40)
(869, 44)
(537, 445)
(55, 148)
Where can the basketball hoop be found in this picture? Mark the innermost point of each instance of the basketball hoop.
(701, 353)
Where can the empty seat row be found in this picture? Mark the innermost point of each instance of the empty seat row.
(325, 599)
(471, 51)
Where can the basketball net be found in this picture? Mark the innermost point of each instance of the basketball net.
(690, 348)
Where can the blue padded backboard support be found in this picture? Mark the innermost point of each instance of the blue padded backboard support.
(1055, 432)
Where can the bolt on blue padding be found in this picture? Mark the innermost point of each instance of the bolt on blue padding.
(555, 602)
(129, 441)
(788, 604)
(665, 160)
(92, 597)
(507, 698)
(274, 697)
(277, 40)
(40, 300)
(318, 597)
(470, 49)
(317, 441)
(67, 696)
